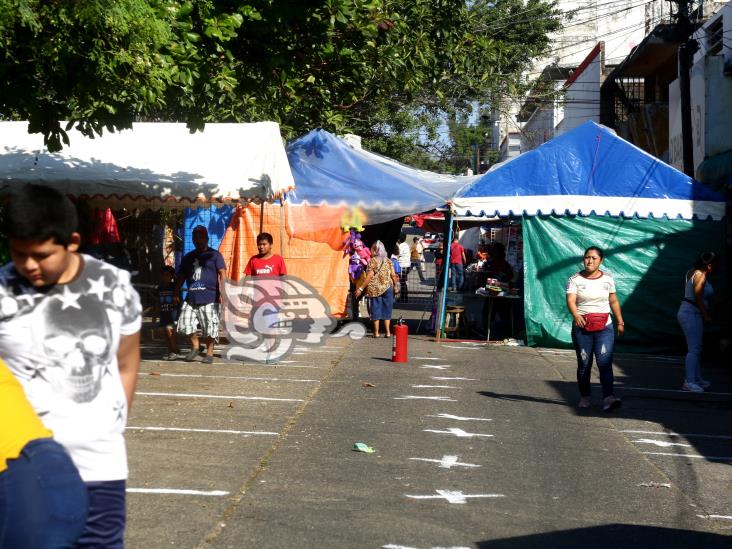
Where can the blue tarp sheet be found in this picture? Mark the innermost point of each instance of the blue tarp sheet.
(328, 171)
(589, 170)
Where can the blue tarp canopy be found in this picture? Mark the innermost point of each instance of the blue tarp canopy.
(329, 171)
(588, 170)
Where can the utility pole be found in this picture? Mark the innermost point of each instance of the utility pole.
(687, 49)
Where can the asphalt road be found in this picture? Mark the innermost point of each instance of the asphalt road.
(475, 446)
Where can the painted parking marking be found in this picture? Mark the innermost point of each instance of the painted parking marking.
(447, 462)
(462, 348)
(233, 397)
(290, 364)
(456, 432)
(672, 434)
(723, 517)
(661, 443)
(455, 496)
(186, 430)
(426, 358)
(461, 418)
(692, 456)
(433, 387)
(177, 492)
(396, 546)
(415, 397)
(435, 367)
(245, 378)
(453, 378)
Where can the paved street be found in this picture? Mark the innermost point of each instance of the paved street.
(475, 446)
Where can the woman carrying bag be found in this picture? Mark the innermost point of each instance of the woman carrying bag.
(590, 299)
(380, 283)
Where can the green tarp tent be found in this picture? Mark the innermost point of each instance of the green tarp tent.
(591, 188)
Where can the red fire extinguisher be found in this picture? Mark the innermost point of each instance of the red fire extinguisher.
(399, 342)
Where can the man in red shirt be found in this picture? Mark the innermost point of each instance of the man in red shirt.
(457, 261)
(265, 263)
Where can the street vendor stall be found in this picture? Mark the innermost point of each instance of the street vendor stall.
(590, 187)
(143, 179)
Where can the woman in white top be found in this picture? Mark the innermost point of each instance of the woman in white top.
(693, 314)
(590, 298)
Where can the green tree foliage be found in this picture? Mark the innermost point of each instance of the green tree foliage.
(389, 70)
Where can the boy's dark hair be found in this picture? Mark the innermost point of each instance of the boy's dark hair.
(265, 236)
(168, 269)
(38, 213)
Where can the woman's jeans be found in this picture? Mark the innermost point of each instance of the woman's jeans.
(692, 324)
(43, 501)
(599, 345)
(456, 271)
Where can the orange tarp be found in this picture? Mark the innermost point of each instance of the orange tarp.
(316, 256)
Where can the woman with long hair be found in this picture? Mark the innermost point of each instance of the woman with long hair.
(693, 314)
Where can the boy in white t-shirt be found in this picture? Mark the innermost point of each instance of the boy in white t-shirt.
(69, 331)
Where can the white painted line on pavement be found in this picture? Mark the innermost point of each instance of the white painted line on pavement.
(456, 432)
(395, 546)
(672, 434)
(462, 348)
(723, 517)
(177, 492)
(670, 390)
(247, 378)
(453, 378)
(694, 456)
(433, 387)
(455, 496)
(661, 443)
(284, 364)
(414, 397)
(235, 397)
(185, 430)
(435, 367)
(460, 418)
(426, 358)
(447, 462)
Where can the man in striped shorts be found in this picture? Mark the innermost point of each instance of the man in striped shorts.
(203, 270)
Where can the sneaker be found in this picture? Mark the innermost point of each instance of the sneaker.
(207, 359)
(171, 356)
(191, 356)
(611, 403)
(703, 383)
(692, 387)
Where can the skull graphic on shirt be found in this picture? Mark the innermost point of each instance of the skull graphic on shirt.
(76, 340)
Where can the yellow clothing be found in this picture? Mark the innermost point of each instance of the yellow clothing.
(19, 424)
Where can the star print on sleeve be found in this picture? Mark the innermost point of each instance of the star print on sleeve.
(98, 287)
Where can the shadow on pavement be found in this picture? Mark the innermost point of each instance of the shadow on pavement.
(614, 536)
(703, 424)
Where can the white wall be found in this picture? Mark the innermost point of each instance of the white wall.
(582, 98)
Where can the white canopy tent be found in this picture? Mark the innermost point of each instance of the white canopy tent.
(153, 164)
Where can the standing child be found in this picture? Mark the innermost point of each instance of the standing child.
(70, 333)
(168, 310)
(265, 263)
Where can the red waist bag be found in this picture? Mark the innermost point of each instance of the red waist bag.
(594, 322)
